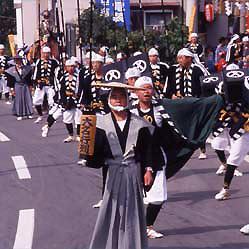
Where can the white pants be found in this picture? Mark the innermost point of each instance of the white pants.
(223, 141)
(158, 192)
(55, 111)
(72, 116)
(238, 148)
(3, 86)
(39, 95)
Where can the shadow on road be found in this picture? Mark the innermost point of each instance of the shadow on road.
(198, 230)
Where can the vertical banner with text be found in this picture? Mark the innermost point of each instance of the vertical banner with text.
(109, 7)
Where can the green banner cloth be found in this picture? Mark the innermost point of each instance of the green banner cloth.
(194, 118)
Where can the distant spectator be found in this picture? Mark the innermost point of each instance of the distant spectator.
(221, 63)
(221, 49)
(210, 59)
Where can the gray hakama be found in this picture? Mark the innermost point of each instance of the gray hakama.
(121, 220)
(22, 105)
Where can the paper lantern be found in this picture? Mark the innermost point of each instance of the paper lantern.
(209, 12)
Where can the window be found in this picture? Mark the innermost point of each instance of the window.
(155, 19)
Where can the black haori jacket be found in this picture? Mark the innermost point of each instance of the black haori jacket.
(44, 73)
(69, 90)
(185, 81)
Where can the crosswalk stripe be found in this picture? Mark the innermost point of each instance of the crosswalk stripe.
(3, 138)
(21, 167)
(25, 229)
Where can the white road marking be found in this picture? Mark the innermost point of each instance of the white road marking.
(247, 158)
(21, 167)
(3, 138)
(25, 229)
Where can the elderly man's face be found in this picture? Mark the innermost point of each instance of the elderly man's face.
(118, 97)
(185, 61)
(179, 59)
(146, 94)
(1, 51)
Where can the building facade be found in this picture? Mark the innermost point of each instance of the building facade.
(27, 16)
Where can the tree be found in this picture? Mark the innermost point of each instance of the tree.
(7, 20)
(108, 33)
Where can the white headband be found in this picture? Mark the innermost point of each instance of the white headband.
(144, 80)
(46, 49)
(153, 51)
(185, 52)
(132, 72)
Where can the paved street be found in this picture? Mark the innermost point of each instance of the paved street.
(46, 198)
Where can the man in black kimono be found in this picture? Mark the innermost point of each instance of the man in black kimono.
(194, 46)
(160, 73)
(185, 80)
(123, 142)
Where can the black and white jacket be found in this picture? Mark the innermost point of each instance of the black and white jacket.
(160, 73)
(186, 81)
(44, 73)
(69, 90)
(233, 116)
(92, 95)
(196, 49)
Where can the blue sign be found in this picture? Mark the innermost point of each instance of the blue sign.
(115, 9)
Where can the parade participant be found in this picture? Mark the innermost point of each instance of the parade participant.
(123, 141)
(186, 77)
(4, 89)
(222, 141)
(238, 145)
(56, 111)
(44, 76)
(69, 94)
(160, 73)
(232, 128)
(94, 96)
(234, 50)
(186, 80)
(131, 75)
(150, 110)
(194, 46)
(19, 79)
